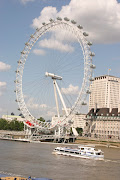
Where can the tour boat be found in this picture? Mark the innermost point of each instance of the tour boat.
(87, 152)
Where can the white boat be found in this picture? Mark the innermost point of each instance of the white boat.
(88, 152)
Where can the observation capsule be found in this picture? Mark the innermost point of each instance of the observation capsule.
(16, 81)
(91, 79)
(88, 92)
(27, 44)
(19, 62)
(92, 54)
(17, 71)
(32, 36)
(72, 21)
(85, 34)
(66, 19)
(51, 20)
(80, 27)
(22, 52)
(83, 103)
(89, 43)
(37, 29)
(59, 18)
(92, 66)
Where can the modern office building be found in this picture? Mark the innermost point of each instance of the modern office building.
(105, 92)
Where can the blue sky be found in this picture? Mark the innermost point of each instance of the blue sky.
(19, 18)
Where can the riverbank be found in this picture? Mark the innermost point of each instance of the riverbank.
(21, 137)
(81, 140)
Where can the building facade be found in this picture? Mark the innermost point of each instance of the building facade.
(105, 93)
(103, 124)
(77, 119)
(13, 117)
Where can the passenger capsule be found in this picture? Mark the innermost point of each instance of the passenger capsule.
(84, 103)
(16, 81)
(91, 79)
(19, 62)
(92, 54)
(80, 27)
(51, 20)
(59, 18)
(66, 19)
(92, 66)
(22, 52)
(89, 43)
(72, 21)
(88, 92)
(85, 34)
(70, 121)
(17, 71)
(37, 29)
(27, 44)
(32, 36)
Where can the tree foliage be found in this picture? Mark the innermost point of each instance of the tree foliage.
(11, 125)
(79, 130)
(41, 119)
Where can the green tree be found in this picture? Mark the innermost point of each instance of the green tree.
(79, 130)
(3, 124)
(12, 125)
(41, 119)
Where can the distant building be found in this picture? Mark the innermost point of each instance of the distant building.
(103, 123)
(78, 120)
(12, 117)
(105, 92)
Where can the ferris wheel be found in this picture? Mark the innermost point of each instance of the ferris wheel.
(54, 73)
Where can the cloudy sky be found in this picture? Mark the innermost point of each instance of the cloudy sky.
(20, 18)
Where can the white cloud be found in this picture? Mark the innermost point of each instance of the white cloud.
(39, 52)
(101, 19)
(34, 106)
(3, 84)
(45, 15)
(70, 90)
(55, 44)
(26, 1)
(2, 110)
(2, 87)
(43, 106)
(4, 67)
(50, 113)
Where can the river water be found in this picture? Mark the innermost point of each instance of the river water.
(37, 160)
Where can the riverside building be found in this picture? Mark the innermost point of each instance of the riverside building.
(103, 119)
(105, 92)
(103, 123)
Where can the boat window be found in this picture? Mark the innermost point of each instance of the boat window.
(82, 148)
(98, 154)
(66, 151)
(92, 153)
(76, 152)
(61, 150)
(71, 151)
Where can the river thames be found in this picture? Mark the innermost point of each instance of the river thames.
(37, 160)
